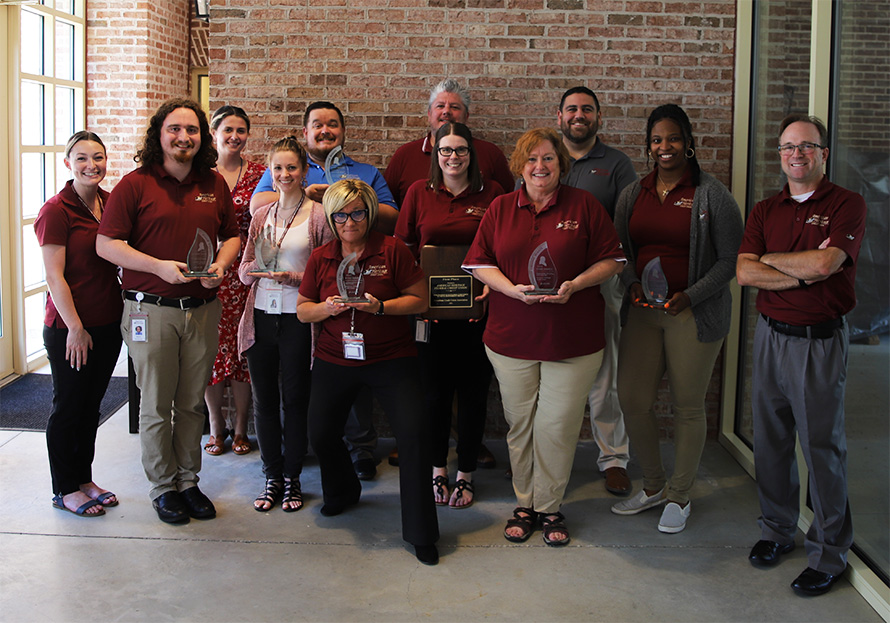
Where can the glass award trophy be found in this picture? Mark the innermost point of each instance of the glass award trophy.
(349, 280)
(335, 168)
(265, 253)
(542, 272)
(655, 284)
(200, 256)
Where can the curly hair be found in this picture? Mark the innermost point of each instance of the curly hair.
(151, 152)
(529, 141)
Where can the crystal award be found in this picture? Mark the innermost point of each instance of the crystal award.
(200, 256)
(655, 284)
(542, 272)
(335, 168)
(349, 280)
(265, 251)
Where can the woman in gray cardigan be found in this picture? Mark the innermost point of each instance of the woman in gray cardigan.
(685, 220)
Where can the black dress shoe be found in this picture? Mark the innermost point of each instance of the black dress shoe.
(199, 505)
(427, 554)
(332, 509)
(170, 507)
(767, 553)
(365, 469)
(811, 582)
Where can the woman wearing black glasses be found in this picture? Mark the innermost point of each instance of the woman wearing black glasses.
(362, 289)
(276, 344)
(445, 211)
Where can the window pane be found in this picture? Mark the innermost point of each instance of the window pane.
(32, 113)
(65, 6)
(64, 50)
(32, 42)
(780, 86)
(64, 114)
(62, 172)
(32, 258)
(35, 306)
(33, 172)
(860, 150)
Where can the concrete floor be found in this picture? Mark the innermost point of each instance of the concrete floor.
(246, 566)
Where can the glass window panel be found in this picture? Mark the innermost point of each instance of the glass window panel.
(62, 172)
(859, 133)
(64, 114)
(32, 113)
(65, 6)
(780, 85)
(35, 307)
(32, 42)
(32, 258)
(64, 50)
(33, 173)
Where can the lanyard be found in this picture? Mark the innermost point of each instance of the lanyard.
(286, 227)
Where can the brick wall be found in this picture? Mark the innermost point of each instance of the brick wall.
(137, 57)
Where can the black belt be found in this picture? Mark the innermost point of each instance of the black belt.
(188, 302)
(821, 331)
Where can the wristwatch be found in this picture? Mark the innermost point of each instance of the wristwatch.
(379, 312)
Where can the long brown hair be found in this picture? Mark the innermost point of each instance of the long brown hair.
(151, 153)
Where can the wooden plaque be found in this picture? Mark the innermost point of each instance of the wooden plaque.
(452, 290)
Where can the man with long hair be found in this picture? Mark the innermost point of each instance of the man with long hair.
(154, 217)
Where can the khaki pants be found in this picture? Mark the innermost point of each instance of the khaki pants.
(544, 406)
(652, 342)
(172, 370)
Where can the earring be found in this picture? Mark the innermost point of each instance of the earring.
(690, 153)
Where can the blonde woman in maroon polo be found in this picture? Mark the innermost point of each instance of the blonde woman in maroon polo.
(545, 349)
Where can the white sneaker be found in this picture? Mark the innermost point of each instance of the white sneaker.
(674, 517)
(639, 503)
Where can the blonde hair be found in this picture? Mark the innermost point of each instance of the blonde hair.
(342, 193)
(529, 141)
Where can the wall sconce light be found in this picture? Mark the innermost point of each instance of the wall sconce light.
(202, 9)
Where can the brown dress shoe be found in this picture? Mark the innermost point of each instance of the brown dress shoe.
(617, 481)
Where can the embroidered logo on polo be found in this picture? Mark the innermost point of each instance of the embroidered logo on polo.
(817, 220)
(376, 271)
(685, 202)
(567, 225)
(476, 210)
(599, 171)
(206, 198)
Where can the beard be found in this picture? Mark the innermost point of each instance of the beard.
(578, 133)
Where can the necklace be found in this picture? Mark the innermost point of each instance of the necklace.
(664, 193)
(240, 168)
(84, 203)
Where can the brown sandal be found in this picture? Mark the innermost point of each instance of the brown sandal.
(216, 445)
(241, 445)
(524, 518)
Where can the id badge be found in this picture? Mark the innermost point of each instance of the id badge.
(422, 331)
(354, 346)
(139, 327)
(274, 295)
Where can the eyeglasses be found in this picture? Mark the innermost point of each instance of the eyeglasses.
(805, 148)
(356, 215)
(447, 151)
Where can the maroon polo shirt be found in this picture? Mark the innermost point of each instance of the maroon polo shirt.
(579, 233)
(411, 162)
(65, 221)
(388, 267)
(780, 224)
(662, 229)
(437, 217)
(159, 215)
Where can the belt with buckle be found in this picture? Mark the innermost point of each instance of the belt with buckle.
(188, 302)
(821, 331)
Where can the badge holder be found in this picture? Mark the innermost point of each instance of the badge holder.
(353, 343)
(139, 321)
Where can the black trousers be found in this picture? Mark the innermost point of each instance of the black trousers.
(454, 360)
(279, 375)
(77, 394)
(396, 385)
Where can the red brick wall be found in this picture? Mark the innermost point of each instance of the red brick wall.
(377, 59)
(137, 57)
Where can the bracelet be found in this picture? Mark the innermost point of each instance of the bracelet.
(802, 283)
(379, 312)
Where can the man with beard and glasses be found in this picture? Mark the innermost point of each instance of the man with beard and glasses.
(602, 171)
(324, 131)
(170, 319)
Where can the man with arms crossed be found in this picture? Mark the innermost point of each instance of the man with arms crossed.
(170, 319)
(800, 249)
(602, 171)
